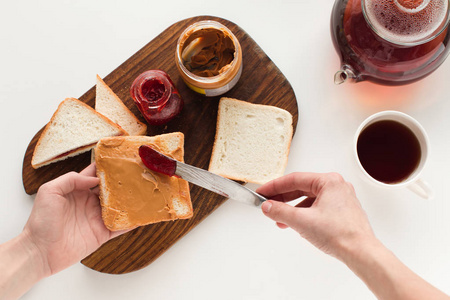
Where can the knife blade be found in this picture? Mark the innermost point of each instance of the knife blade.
(161, 163)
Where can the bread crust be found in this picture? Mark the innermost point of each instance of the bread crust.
(70, 152)
(123, 106)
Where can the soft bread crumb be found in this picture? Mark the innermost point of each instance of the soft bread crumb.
(74, 128)
(109, 104)
(252, 141)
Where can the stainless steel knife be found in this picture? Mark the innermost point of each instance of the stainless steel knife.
(161, 163)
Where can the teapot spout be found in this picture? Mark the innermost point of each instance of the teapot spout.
(345, 74)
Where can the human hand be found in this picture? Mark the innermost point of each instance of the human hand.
(66, 223)
(330, 217)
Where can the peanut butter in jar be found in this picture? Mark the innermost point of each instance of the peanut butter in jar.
(209, 58)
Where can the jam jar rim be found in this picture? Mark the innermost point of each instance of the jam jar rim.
(144, 77)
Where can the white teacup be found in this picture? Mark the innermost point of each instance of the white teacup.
(413, 181)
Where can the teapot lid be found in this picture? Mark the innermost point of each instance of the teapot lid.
(407, 22)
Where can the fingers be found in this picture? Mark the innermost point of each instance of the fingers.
(96, 190)
(90, 170)
(284, 214)
(308, 202)
(72, 181)
(286, 197)
(281, 225)
(295, 184)
(119, 232)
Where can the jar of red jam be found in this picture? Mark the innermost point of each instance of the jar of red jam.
(156, 97)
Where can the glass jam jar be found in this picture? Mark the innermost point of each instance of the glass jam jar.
(156, 97)
(209, 58)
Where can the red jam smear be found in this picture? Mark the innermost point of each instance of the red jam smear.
(156, 97)
(156, 161)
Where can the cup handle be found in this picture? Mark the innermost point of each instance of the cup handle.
(422, 188)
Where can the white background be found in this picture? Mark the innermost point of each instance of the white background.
(50, 50)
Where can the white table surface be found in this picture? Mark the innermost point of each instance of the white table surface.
(52, 50)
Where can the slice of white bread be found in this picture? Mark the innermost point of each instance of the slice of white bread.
(108, 104)
(74, 128)
(131, 194)
(252, 141)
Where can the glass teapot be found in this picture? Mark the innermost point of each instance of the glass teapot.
(390, 42)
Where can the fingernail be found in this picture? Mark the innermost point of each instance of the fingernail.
(266, 206)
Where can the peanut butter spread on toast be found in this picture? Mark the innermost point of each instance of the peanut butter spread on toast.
(133, 192)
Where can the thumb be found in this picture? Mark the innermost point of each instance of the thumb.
(282, 213)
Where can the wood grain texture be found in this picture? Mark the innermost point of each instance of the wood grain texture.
(261, 82)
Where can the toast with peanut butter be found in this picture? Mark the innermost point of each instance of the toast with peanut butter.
(132, 195)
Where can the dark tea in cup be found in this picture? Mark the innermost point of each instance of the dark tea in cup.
(391, 149)
(388, 151)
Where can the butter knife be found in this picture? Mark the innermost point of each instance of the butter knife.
(161, 163)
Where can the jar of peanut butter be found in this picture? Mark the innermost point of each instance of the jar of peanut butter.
(209, 58)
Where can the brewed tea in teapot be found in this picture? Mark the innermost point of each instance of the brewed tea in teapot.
(389, 42)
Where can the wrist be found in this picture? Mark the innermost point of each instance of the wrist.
(385, 275)
(377, 266)
(37, 259)
(21, 265)
(352, 251)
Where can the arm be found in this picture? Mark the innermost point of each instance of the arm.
(65, 226)
(21, 265)
(332, 219)
(386, 276)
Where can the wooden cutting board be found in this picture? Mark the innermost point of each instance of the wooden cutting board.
(261, 82)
